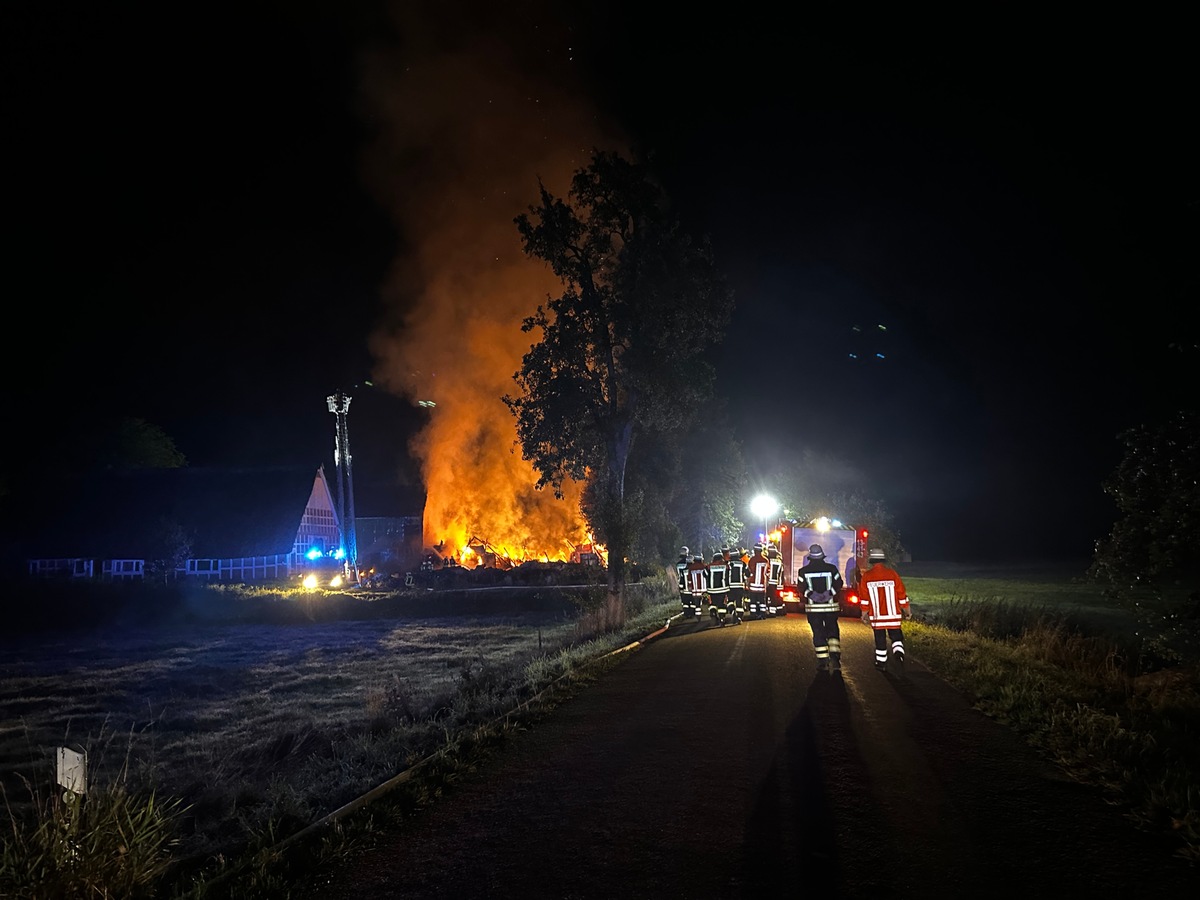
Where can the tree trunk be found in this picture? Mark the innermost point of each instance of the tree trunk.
(614, 605)
(618, 543)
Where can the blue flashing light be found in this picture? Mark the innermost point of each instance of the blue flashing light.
(314, 553)
(880, 356)
(339, 553)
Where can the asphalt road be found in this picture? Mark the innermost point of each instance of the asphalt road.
(716, 762)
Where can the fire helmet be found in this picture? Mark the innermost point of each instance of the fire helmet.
(877, 555)
(683, 551)
(815, 552)
(697, 558)
(718, 557)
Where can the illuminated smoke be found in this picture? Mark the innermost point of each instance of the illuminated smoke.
(465, 129)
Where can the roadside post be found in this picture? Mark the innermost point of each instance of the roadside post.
(72, 774)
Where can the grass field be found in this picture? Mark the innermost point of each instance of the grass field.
(260, 728)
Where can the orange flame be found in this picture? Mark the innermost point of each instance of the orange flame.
(464, 142)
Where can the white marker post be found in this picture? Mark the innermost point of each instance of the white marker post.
(72, 773)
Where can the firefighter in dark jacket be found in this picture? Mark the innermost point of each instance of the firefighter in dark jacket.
(774, 582)
(718, 588)
(697, 578)
(821, 583)
(737, 582)
(681, 567)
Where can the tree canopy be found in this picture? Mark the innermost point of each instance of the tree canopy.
(622, 350)
(1156, 487)
(1150, 557)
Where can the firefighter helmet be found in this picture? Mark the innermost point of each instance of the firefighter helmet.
(683, 551)
(877, 555)
(758, 548)
(697, 558)
(718, 557)
(815, 552)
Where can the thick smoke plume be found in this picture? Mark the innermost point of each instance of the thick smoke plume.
(467, 125)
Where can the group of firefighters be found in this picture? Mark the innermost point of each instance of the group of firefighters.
(735, 585)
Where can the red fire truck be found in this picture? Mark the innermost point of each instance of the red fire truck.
(844, 546)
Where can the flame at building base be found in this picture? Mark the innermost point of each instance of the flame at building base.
(479, 552)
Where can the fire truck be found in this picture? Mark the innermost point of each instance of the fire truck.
(845, 547)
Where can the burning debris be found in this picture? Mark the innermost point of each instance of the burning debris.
(478, 553)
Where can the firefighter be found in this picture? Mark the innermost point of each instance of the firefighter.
(697, 575)
(774, 582)
(758, 570)
(821, 583)
(885, 606)
(681, 567)
(737, 582)
(718, 588)
(745, 557)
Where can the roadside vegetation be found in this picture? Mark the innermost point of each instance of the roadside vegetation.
(1081, 679)
(237, 788)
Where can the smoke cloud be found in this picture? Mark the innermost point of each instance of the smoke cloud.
(467, 122)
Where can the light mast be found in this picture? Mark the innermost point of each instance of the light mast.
(339, 405)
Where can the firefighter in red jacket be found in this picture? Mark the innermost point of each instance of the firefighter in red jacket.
(758, 575)
(697, 577)
(821, 583)
(885, 606)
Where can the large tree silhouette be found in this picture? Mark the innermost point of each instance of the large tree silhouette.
(622, 349)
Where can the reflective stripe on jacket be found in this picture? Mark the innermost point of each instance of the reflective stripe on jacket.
(759, 569)
(884, 596)
(718, 578)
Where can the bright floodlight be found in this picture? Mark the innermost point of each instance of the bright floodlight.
(763, 505)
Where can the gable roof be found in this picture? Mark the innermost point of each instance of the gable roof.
(225, 513)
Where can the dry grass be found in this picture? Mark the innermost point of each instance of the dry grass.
(262, 729)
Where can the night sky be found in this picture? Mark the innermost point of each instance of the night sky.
(216, 214)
